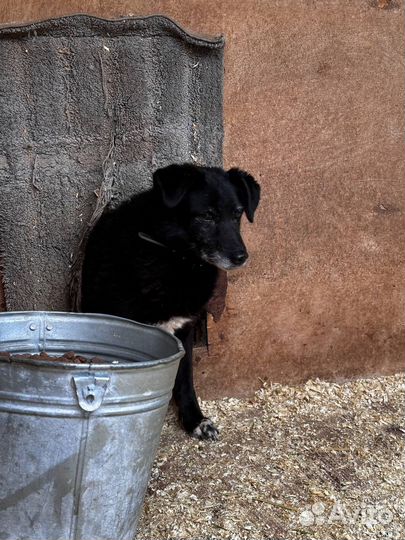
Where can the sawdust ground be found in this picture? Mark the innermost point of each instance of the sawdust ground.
(317, 461)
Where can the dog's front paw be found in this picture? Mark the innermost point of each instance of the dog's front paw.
(206, 431)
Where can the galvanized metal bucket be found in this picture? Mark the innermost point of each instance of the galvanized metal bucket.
(78, 440)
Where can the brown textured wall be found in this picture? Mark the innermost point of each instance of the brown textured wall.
(314, 97)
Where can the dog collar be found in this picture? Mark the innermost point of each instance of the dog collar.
(147, 238)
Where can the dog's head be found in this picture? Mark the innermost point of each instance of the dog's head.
(205, 206)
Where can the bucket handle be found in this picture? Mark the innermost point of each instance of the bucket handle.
(90, 390)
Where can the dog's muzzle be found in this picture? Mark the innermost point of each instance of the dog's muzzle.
(227, 263)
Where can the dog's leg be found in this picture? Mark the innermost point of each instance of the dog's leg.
(194, 422)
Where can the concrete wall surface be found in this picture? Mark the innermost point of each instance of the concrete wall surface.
(314, 109)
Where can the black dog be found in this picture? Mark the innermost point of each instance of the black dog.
(155, 259)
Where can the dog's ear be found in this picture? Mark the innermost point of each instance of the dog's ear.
(248, 191)
(174, 181)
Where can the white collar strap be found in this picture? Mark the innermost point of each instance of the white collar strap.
(147, 238)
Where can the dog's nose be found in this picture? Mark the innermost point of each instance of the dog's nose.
(240, 258)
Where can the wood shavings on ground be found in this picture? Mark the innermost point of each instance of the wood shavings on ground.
(317, 461)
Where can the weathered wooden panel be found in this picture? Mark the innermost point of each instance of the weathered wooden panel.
(88, 109)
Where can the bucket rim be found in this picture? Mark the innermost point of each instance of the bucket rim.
(127, 365)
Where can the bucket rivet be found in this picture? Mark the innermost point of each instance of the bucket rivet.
(49, 327)
(33, 326)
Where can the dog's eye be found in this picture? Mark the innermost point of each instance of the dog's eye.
(237, 214)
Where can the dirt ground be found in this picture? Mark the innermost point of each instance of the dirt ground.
(318, 461)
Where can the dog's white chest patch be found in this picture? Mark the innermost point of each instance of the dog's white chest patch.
(173, 324)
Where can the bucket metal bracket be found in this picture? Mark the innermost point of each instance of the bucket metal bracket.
(90, 390)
